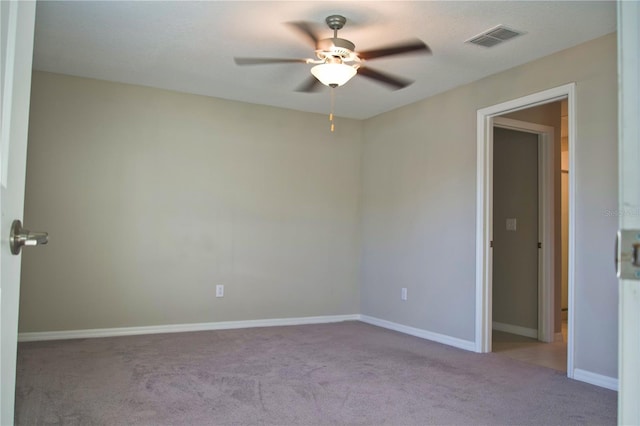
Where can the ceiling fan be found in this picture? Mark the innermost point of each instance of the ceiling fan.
(337, 61)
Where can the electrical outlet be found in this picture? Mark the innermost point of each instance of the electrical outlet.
(219, 290)
(403, 293)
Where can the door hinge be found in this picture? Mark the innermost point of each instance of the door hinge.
(539, 245)
(491, 244)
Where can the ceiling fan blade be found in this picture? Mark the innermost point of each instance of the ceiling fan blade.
(390, 80)
(412, 46)
(264, 61)
(306, 29)
(311, 84)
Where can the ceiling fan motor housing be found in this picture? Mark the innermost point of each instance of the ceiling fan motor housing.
(337, 47)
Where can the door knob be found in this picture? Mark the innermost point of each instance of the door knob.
(23, 237)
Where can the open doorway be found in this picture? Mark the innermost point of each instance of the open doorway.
(523, 236)
(550, 314)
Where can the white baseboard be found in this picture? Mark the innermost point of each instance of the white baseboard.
(424, 334)
(595, 379)
(226, 325)
(515, 329)
(176, 328)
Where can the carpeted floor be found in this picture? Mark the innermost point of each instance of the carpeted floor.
(344, 373)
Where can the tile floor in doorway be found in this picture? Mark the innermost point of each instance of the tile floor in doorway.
(551, 355)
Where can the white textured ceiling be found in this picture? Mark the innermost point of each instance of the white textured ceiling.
(189, 46)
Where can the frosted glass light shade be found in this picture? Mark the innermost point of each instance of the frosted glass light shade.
(333, 75)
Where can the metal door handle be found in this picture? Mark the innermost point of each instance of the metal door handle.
(23, 237)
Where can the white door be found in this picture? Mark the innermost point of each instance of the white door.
(515, 232)
(17, 26)
(629, 160)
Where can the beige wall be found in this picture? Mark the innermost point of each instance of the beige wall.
(419, 201)
(152, 197)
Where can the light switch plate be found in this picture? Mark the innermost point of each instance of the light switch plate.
(512, 224)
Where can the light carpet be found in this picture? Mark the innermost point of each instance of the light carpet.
(326, 374)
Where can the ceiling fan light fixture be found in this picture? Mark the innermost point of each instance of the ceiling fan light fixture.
(333, 74)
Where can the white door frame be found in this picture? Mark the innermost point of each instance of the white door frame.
(484, 218)
(546, 266)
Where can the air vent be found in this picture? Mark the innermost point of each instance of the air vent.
(493, 36)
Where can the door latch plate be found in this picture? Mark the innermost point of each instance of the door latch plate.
(628, 254)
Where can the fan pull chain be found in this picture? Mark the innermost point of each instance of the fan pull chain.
(333, 106)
